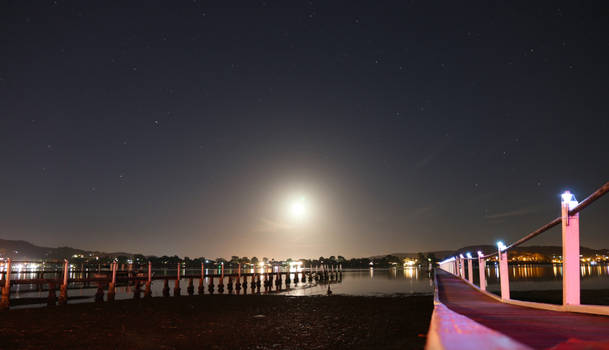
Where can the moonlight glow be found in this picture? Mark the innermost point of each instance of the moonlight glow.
(298, 208)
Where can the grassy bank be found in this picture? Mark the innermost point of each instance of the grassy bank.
(224, 322)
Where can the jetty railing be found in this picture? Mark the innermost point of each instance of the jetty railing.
(107, 280)
(569, 221)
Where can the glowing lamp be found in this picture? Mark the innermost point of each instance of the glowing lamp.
(569, 199)
(469, 255)
(461, 256)
(501, 246)
(480, 255)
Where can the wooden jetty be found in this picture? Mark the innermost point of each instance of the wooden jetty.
(267, 281)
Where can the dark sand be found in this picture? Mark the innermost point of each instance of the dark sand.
(224, 322)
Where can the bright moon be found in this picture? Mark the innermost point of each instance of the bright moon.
(298, 208)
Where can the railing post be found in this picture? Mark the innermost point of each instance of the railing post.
(482, 270)
(461, 266)
(503, 271)
(470, 270)
(570, 251)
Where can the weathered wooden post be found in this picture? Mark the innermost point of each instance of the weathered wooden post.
(570, 251)
(238, 282)
(201, 288)
(52, 298)
(230, 284)
(99, 294)
(482, 270)
(176, 288)
(112, 285)
(221, 283)
(288, 279)
(210, 286)
(311, 273)
(6, 290)
(267, 281)
(148, 291)
(257, 285)
(503, 270)
(191, 287)
(63, 290)
(166, 287)
(470, 270)
(278, 280)
(138, 289)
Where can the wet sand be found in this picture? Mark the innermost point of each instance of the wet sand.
(224, 322)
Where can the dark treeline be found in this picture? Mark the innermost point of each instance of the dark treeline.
(234, 261)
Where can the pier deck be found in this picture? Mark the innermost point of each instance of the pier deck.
(539, 329)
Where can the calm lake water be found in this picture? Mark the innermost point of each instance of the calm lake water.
(366, 282)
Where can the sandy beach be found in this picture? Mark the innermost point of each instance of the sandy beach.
(224, 322)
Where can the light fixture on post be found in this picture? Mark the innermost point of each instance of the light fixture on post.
(570, 251)
(481, 270)
(503, 270)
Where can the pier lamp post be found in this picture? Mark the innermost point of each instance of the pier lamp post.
(470, 270)
(461, 266)
(481, 270)
(570, 251)
(503, 270)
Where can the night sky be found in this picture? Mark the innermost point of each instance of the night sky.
(188, 127)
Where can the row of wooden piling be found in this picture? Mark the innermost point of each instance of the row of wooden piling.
(256, 283)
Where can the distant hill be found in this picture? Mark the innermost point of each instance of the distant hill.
(545, 250)
(489, 249)
(23, 250)
(440, 254)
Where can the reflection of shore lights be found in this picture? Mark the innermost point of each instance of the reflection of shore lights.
(569, 198)
(409, 262)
